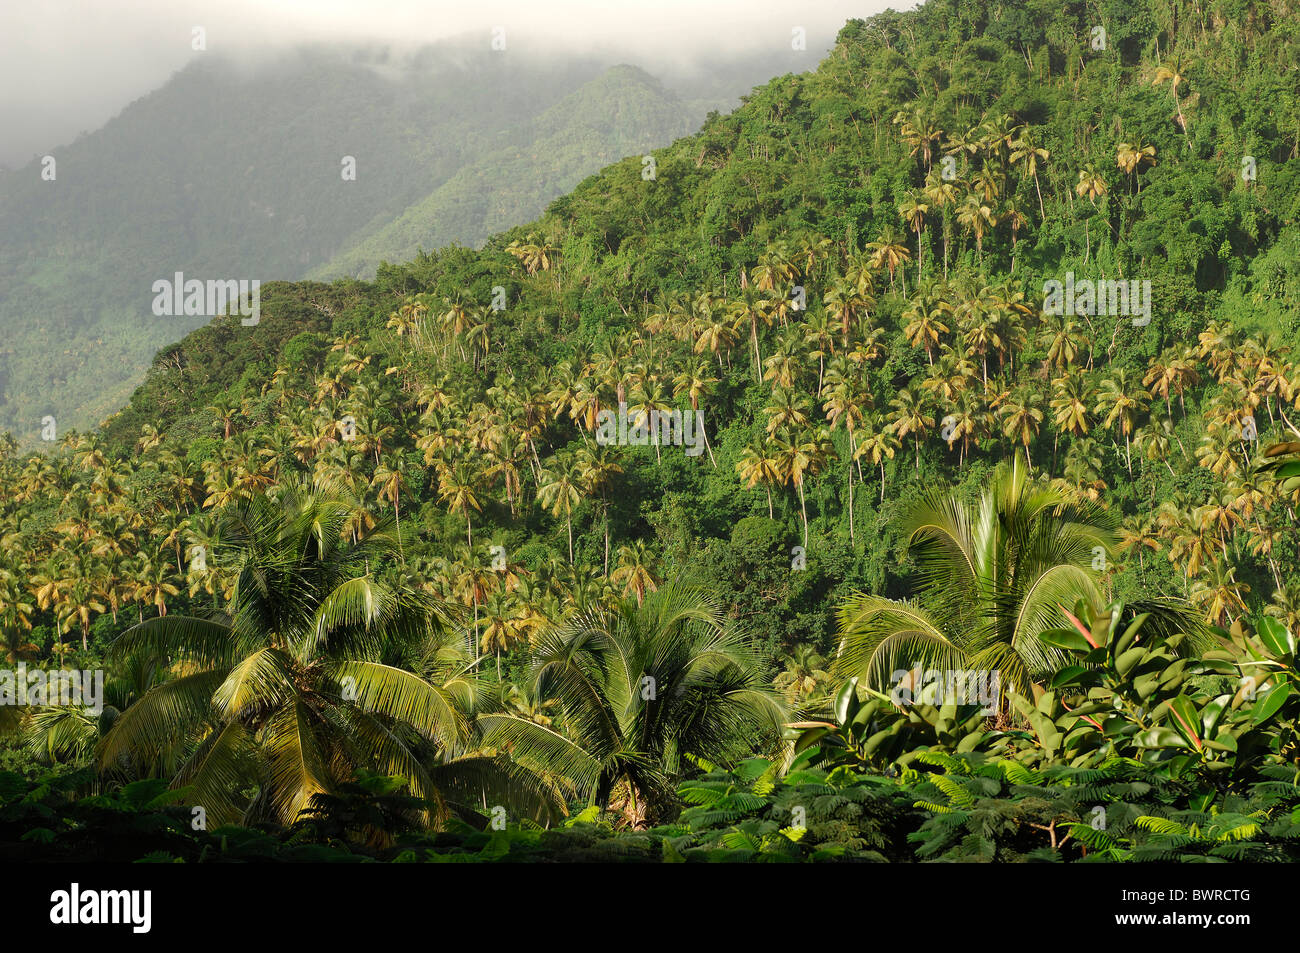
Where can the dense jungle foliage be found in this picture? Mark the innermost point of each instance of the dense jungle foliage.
(372, 580)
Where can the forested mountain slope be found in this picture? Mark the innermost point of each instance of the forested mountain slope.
(235, 169)
(823, 180)
(624, 111)
(852, 280)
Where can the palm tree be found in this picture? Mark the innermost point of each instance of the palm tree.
(1171, 72)
(1063, 337)
(1072, 397)
(225, 414)
(925, 327)
(914, 211)
(759, 464)
(1138, 535)
(695, 382)
(920, 130)
(805, 676)
(560, 490)
(1220, 595)
(15, 619)
(1131, 156)
(1027, 152)
(889, 252)
(1021, 417)
(978, 216)
(1121, 400)
(1016, 220)
(877, 444)
(501, 626)
(389, 478)
(636, 570)
(292, 692)
(1090, 186)
(911, 417)
(803, 456)
(754, 306)
(458, 490)
(643, 688)
(597, 469)
(844, 302)
(995, 574)
(940, 194)
(153, 585)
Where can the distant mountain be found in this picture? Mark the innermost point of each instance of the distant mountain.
(236, 171)
(621, 112)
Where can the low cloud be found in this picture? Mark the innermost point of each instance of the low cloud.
(67, 66)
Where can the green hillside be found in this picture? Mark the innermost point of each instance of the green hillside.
(623, 111)
(432, 569)
(236, 171)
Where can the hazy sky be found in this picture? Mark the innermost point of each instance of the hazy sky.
(67, 66)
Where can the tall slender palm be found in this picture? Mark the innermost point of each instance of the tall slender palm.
(754, 307)
(759, 463)
(940, 194)
(914, 211)
(977, 215)
(1021, 417)
(458, 490)
(695, 382)
(597, 468)
(877, 443)
(1027, 152)
(911, 417)
(1120, 399)
(560, 491)
(888, 251)
(802, 456)
(1171, 72)
(636, 569)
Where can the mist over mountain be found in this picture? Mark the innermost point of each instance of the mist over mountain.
(323, 160)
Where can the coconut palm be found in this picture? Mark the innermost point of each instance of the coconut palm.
(1171, 72)
(458, 489)
(911, 417)
(635, 568)
(1131, 156)
(642, 689)
(560, 490)
(888, 251)
(994, 574)
(914, 211)
(294, 690)
(1027, 152)
(876, 443)
(1119, 401)
(977, 215)
(805, 676)
(759, 463)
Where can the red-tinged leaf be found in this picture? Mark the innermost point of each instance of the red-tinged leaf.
(1084, 717)
(1078, 625)
(1186, 719)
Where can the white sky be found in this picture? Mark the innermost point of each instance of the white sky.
(67, 66)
